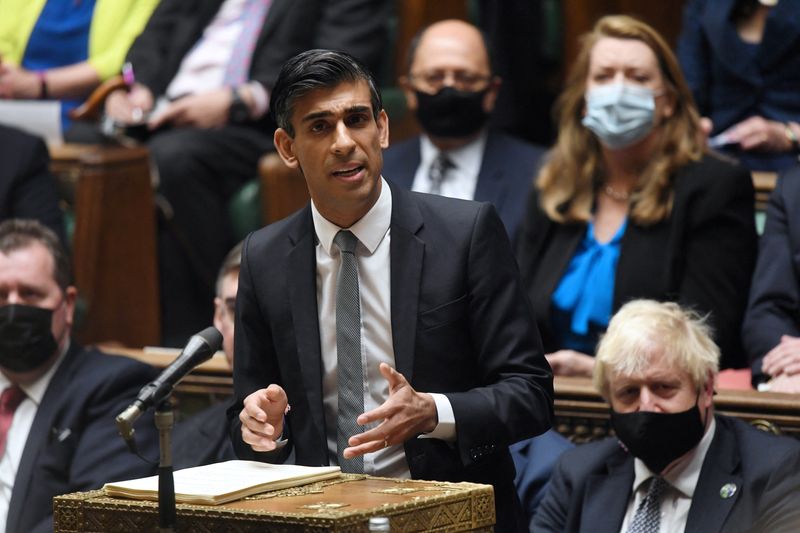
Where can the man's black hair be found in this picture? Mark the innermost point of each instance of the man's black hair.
(317, 69)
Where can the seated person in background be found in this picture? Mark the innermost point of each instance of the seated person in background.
(630, 204)
(63, 49)
(58, 400)
(450, 87)
(741, 59)
(27, 188)
(673, 465)
(771, 329)
(204, 438)
(209, 65)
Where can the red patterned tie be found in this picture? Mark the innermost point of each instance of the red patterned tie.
(9, 401)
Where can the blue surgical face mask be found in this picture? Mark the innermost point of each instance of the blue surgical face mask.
(619, 114)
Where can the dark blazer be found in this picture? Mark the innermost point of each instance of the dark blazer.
(702, 255)
(461, 326)
(592, 484)
(203, 438)
(504, 179)
(73, 444)
(774, 307)
(731, 83)
(290, 27)
(27, 188)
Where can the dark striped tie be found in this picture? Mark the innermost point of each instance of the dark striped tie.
(350, 371)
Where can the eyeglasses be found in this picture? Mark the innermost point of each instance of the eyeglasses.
(434, 80)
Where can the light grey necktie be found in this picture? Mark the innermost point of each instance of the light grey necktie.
(350, 371)
(648, 516)
(438, 172)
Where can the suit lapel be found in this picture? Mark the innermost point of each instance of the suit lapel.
(725, 42)
(302, 280)
(406, 256)
(38, 438)
(606, 498)
(554, 262)
(491, 186)
(709, 508)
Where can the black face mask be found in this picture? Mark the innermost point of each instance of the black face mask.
(658, 438)
(26, 337)
(451, 113)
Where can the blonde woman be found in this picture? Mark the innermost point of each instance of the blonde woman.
(630, 203)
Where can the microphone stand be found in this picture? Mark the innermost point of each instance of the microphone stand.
(166, 483)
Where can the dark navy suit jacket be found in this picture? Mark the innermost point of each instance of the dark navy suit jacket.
(774, 306)
(592, 484)
(73, 444)
(506, 175)
(461, 326)
(732, 81)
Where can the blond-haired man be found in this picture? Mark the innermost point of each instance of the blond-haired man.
(674, 465)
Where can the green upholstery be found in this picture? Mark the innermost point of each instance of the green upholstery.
(244, 209)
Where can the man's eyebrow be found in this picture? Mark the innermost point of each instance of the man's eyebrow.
(325, 114)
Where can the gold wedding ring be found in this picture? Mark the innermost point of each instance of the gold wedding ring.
(385, 443)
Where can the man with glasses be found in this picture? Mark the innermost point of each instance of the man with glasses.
(451, 88)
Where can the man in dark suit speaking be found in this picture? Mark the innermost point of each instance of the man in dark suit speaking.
(392, 322)
(673, 465)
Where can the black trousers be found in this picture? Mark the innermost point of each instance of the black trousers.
(198, 171)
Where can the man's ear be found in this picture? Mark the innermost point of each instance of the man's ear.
(383, 128)
(284, 144)
(408, 92)
(70, 297)
(490, 98)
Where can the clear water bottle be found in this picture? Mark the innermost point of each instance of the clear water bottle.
(378, 523)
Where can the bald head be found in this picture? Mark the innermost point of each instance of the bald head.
(452, 43)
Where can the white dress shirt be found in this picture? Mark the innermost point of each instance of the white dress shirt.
(677, 498)
(18, 432)
(461, 179)
(372, 256)
(203, 67)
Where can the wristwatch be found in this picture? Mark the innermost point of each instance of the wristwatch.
(239, 112)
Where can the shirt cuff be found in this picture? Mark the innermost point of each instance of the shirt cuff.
(446, 428)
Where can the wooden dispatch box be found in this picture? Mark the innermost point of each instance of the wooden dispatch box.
(341, 505)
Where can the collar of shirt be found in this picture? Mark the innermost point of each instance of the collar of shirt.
(462, 179)
(370, 229)
(684, 475)
(468, 156)
(35, 391)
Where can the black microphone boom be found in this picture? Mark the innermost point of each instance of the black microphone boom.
(199, 348)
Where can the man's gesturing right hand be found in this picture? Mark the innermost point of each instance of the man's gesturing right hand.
(262, 417)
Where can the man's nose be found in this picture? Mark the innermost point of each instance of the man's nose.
(343, 141)
(647, 401)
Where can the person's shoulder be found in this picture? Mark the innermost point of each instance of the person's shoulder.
(757, 447)
(591, 457)
(711, 171)
(94, 362)
(402, 148)
(515, 144)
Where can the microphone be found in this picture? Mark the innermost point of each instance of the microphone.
(199, 348)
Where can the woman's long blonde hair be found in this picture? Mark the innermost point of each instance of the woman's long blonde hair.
(568, 181)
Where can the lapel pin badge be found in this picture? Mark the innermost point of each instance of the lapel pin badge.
(727, 490)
